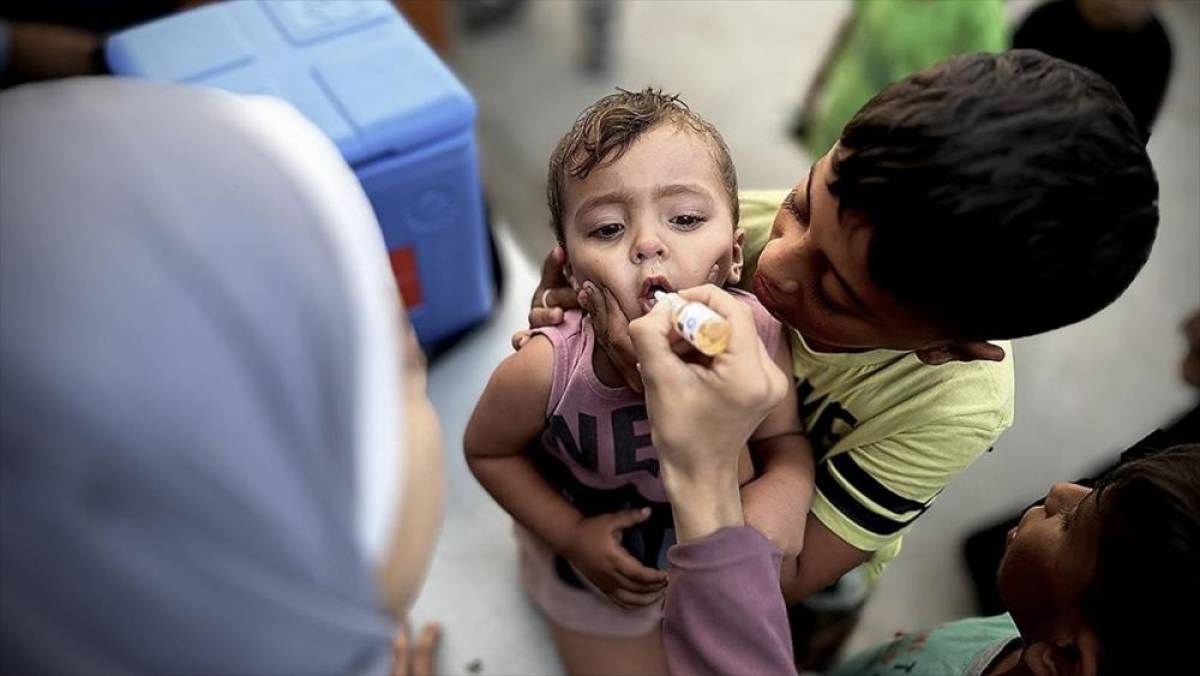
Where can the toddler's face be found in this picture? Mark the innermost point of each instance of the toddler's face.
(657, 218)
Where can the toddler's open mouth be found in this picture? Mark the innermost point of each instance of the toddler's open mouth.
(650, 286)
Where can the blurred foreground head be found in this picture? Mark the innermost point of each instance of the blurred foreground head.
(200, 388)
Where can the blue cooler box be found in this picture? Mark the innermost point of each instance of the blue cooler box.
(399, 116)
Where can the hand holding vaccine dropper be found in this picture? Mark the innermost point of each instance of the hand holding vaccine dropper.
(696, 323)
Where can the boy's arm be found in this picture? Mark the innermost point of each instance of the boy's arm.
(824, 559)
(869, 496)
(509, 416)
(776, 503)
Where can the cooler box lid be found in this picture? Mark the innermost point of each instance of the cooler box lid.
(353, 67)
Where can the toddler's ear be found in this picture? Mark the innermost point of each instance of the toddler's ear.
(735, 268)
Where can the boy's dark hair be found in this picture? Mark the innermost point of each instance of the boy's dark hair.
(1009, 194)
(605, 130)
(1145, 588)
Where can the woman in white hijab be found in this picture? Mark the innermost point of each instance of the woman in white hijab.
(216, 453)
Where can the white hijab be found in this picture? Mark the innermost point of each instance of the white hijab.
(198, 387)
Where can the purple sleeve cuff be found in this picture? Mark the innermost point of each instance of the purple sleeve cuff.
(724, 610)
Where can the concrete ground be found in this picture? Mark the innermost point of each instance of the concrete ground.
(1083, 392)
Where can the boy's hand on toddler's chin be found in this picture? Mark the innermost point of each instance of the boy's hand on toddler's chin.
(554, 293)
(596, 552)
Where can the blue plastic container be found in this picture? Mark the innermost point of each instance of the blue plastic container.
(399, 116)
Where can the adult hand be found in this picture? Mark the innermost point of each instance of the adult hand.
(415, 660)
(596, 552)
(701, 414)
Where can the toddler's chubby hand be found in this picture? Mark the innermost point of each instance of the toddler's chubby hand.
(596, 552)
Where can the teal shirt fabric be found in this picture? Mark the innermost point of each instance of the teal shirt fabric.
(962, 648)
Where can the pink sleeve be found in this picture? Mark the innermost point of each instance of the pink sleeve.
(724, 611)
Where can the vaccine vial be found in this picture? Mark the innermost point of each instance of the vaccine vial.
(696, 323)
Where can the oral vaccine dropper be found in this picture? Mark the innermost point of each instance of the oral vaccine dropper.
(696, 323)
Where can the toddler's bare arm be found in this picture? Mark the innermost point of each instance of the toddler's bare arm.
(509, 416)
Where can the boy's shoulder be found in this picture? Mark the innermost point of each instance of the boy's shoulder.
(756, 216)
(757, 208)
(901, 389)
(754, 202)
(982, 391)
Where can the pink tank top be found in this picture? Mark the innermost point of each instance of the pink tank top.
(596, 445)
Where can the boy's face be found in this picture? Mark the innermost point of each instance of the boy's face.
(657, 218)
(813, 275)
(1048, 562)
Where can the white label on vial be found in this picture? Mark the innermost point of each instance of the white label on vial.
(691, 317)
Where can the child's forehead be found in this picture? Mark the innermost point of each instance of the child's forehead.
(678, 135)
(669, 153)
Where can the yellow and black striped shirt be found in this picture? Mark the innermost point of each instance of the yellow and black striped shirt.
(889, 431)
